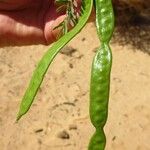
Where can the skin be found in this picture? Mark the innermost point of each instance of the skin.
(26, 22)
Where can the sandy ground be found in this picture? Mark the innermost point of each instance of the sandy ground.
(59, 119)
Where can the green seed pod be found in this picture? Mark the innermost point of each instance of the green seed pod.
(49, 56)
(104, 19)
(98, 140)
(100, 75)
(100, 79)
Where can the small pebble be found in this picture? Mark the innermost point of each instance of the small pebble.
(39, 130)
(71, 65)
(83, 39)
(113, 139)
(68, 50)
(63, 135)
(72, 127)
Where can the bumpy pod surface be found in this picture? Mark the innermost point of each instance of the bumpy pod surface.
(98, 140)
(99, 95)
(104, 19)
(100, 79)
(100, 74)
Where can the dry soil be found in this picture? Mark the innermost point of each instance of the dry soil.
(59, 117)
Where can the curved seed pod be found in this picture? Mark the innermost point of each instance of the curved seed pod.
(47, 59)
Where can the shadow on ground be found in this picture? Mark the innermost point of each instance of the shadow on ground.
(132, 23)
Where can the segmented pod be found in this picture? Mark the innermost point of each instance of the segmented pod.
(100, 74)
(100, 80)
(99, 95)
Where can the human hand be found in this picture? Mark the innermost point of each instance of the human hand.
(27, 22)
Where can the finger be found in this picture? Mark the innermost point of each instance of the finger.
(53, 19)
(21, 27)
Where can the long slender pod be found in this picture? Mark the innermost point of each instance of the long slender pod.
(99, 95)
(43, 65)
(100, 74)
